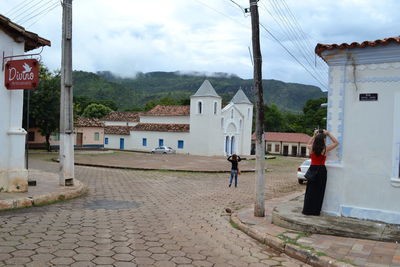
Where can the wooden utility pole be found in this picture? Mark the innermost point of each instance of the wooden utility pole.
(66, 109)
(259, 208)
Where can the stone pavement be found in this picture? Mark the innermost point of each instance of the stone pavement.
(138, 218)
(315, 249)
(47, 190)
(148, 161)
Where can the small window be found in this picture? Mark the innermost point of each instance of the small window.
(106, 141)
(277, 148)
(31, 136)
(248, 113)
(180, 144)
(240, 124)
(144, 142)
(269, 147)
(222, 122)
(199, 107)
(160, 142)
(232, 114)
(96, 136)
(56, 136)
(215, 107)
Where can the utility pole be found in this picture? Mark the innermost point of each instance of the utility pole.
(66, 108)
(259, 208)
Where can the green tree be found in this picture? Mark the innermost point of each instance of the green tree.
(44, 104)
(274, 119)
(96, 111)
(314, 114)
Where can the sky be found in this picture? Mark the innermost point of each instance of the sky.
(205, 36)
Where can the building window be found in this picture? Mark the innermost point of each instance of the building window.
(199, 107)
(215, 107)
(240, 124)
(31, 136)
(222, 122)
(269, 147)
(160, 142)
(180, 144)
(144, 142)
(248, 113)
(106, 141)
(232, 114)
(277, 148)
(96, 136)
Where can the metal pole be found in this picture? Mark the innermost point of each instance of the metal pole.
(66, 107)
(259, 208)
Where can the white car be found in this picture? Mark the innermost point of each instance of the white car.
(302, 169)
(163, 150)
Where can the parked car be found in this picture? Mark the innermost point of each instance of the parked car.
(163, 150)
(302, 169)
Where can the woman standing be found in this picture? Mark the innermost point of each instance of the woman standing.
(234, 159)
(316, 186)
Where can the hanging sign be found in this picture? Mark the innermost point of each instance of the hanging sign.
(21, 74)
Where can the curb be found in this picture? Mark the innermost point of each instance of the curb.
(293, 251)
(147, 169)
(39, 200)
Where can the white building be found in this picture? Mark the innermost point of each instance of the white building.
(14, 40)
(203, 128)
(364, 113)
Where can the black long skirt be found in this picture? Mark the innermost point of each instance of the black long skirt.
(315, 192)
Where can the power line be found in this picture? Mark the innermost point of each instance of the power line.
(48, 11)
(38, 8)
(21, 11)
(17, 7)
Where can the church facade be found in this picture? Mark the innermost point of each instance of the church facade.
(203, 128)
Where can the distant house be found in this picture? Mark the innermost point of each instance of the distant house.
(203, 128)
(89, 133)
(286, 144)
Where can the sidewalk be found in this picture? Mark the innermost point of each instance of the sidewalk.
(315, 249)
(46, 191)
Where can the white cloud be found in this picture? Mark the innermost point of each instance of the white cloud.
(125, 36)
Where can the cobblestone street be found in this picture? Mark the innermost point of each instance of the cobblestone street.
(137, 218)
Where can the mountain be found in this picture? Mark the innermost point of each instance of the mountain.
(145, 87)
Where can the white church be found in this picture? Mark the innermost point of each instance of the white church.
(203, 128)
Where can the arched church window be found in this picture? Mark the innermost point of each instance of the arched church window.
(215, 107)
(232, 114)
(248, 113)
(199, 107)
(240, 124)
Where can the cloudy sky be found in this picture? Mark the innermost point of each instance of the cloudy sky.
(130, 36)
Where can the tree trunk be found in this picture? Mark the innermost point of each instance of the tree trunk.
(48, 142)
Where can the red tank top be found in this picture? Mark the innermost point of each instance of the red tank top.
(317, 160)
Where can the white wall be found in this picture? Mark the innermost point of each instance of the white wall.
(206, 136)
(360, 173)
(120, 123)
(170, 139)
(165, 119)
(13, 175)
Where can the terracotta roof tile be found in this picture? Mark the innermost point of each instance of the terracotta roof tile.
(88, 122)
(161, 127)
(119, 130)
(285, 137)
(131, 116)
(168, 111)
(32, 40)
(323, 47)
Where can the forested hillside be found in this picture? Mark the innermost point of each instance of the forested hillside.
(145, 87)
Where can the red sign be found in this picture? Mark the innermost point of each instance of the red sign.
(21, 74)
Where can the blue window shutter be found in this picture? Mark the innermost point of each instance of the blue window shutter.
(144, 141)
(106, 141)
(180, 144)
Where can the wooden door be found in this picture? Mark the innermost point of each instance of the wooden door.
(79, 139)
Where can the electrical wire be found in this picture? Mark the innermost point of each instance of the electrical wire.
(26, 17)
(48, 11)
(26, 8)
(17, 7)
